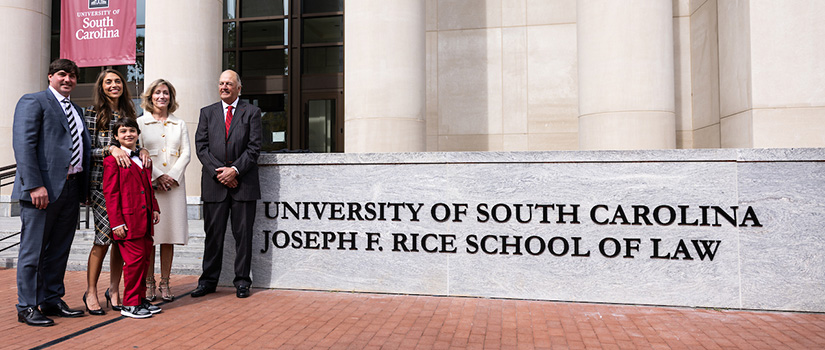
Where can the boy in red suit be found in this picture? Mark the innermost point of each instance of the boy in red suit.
(133, 210)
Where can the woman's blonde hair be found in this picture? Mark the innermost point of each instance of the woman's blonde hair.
(146, 97)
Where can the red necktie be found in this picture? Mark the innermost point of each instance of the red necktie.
(228, 120)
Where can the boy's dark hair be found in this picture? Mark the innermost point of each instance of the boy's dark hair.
(125, 122)
(62, 64)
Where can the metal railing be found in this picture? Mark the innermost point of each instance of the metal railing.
(8, 172)
(12, 245)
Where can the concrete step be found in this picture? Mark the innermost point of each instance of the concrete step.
(89, 237)
(187, 259)
(178, 267)
(181, 252)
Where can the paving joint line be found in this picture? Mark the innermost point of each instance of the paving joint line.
(91, 328)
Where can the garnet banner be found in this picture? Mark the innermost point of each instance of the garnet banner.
(98, 32)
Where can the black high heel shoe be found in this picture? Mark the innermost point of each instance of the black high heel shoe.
(109, 301)
(98, 312)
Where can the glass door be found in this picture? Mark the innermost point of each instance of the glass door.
(274, 121)
(324, 127)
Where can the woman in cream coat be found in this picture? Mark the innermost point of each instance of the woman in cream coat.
(167, 140)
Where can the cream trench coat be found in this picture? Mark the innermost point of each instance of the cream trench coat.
(168, 145)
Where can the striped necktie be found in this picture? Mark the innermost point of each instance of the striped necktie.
(75, 130)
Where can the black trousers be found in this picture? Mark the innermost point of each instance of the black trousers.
(215, 214)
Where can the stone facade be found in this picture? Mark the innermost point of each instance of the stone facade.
(519, 75)
(516, 75)
(737, 228)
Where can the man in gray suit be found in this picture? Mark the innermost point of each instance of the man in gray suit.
(228, 141)
(52, 150)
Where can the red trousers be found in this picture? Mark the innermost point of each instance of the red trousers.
(135, 254)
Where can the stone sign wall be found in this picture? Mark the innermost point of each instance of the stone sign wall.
(710, 228)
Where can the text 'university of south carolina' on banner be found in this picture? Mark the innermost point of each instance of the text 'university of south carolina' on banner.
(98, 32)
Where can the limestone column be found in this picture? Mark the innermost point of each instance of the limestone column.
(23, 65)
(771, 73)
(385, 72)
(626, 74)
(183, 45)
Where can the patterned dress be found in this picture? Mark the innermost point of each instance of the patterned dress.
(101, 140)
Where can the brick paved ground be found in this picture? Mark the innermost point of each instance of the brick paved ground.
(319, 320)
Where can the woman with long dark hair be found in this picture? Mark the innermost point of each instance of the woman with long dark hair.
(110, 101)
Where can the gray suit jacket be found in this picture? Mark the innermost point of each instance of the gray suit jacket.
(42, 146)
(240, 149)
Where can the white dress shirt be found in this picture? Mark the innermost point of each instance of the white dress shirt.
(225, 108)
(78, 121)
(135, 159)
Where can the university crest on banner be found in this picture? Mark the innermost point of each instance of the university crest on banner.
(98, 32)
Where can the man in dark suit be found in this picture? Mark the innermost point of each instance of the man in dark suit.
(228, 141)
(52, 150)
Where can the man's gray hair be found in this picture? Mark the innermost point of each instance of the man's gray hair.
(237, 76)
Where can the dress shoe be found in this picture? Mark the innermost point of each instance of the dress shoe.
(201, 291)
(242, 292)
(60, 309)
(165, 292)
(98, 312)
(150, 289)
(135, 311)
(32, 317)
(109, 301)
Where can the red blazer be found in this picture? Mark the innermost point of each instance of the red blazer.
(126, 200)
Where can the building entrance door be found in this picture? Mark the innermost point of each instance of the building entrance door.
(324, 124)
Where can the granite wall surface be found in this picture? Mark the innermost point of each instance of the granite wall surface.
(728, 228)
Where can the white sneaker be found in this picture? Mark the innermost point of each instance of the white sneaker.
(152, 308)
(135, 311)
